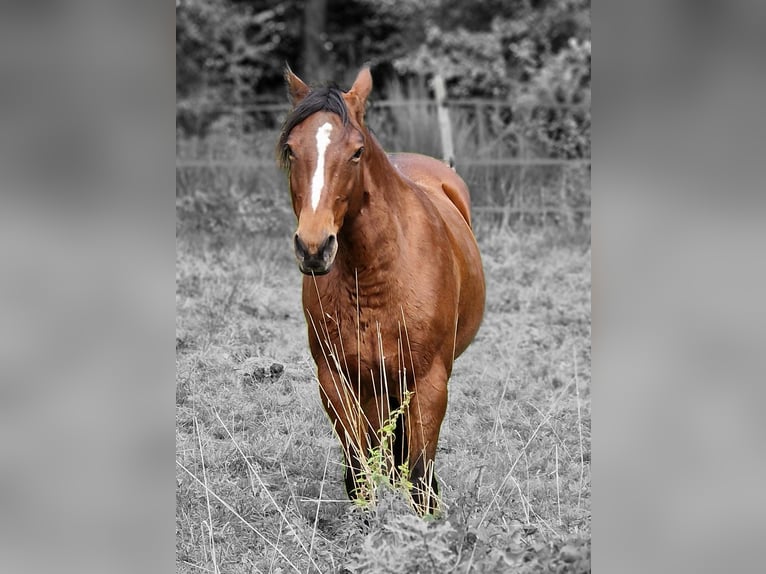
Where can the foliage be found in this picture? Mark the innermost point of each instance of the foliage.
(226, 51)
(516, 48)
(537, 54)
(374, 32)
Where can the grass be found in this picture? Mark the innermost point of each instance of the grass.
(259, 473)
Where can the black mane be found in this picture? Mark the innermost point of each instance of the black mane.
(324, 99)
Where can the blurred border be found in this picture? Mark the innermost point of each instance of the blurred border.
(679, 277)
(87, 152)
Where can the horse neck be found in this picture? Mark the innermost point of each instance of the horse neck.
(372, 234)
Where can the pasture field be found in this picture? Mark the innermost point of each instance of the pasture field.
(259, 484)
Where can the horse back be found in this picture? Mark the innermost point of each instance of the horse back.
(435, 177)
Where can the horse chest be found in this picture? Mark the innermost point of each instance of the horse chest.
(373, 332)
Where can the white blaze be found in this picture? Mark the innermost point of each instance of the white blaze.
(317, 182)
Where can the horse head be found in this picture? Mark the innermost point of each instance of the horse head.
(322, 146)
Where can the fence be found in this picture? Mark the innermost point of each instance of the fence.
(527, 164)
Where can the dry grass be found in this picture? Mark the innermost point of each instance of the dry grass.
(259, 480)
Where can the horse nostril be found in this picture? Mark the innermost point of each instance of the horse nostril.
(327, 246)
(301, 250)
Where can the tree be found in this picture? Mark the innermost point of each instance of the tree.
(231, 50)
(528, 51)
(522, 49)
(314, 38)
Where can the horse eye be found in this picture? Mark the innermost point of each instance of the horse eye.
(358, 154)
(289, 152)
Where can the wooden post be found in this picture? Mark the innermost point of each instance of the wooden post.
(479, 110)
(445, 128)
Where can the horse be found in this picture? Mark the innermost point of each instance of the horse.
(393, 283)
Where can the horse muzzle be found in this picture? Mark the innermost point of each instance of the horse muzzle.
(316, 258)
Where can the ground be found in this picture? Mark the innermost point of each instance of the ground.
(514, 455)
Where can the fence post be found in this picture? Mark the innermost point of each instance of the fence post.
(445, 128)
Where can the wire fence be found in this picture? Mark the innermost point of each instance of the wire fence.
(523, 163)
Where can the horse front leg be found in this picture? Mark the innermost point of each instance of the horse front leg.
(424, 417)
(356, 423)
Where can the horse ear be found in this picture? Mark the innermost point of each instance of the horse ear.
(362, 85)
(296, 88)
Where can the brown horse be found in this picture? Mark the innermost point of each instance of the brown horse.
(393, 286)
